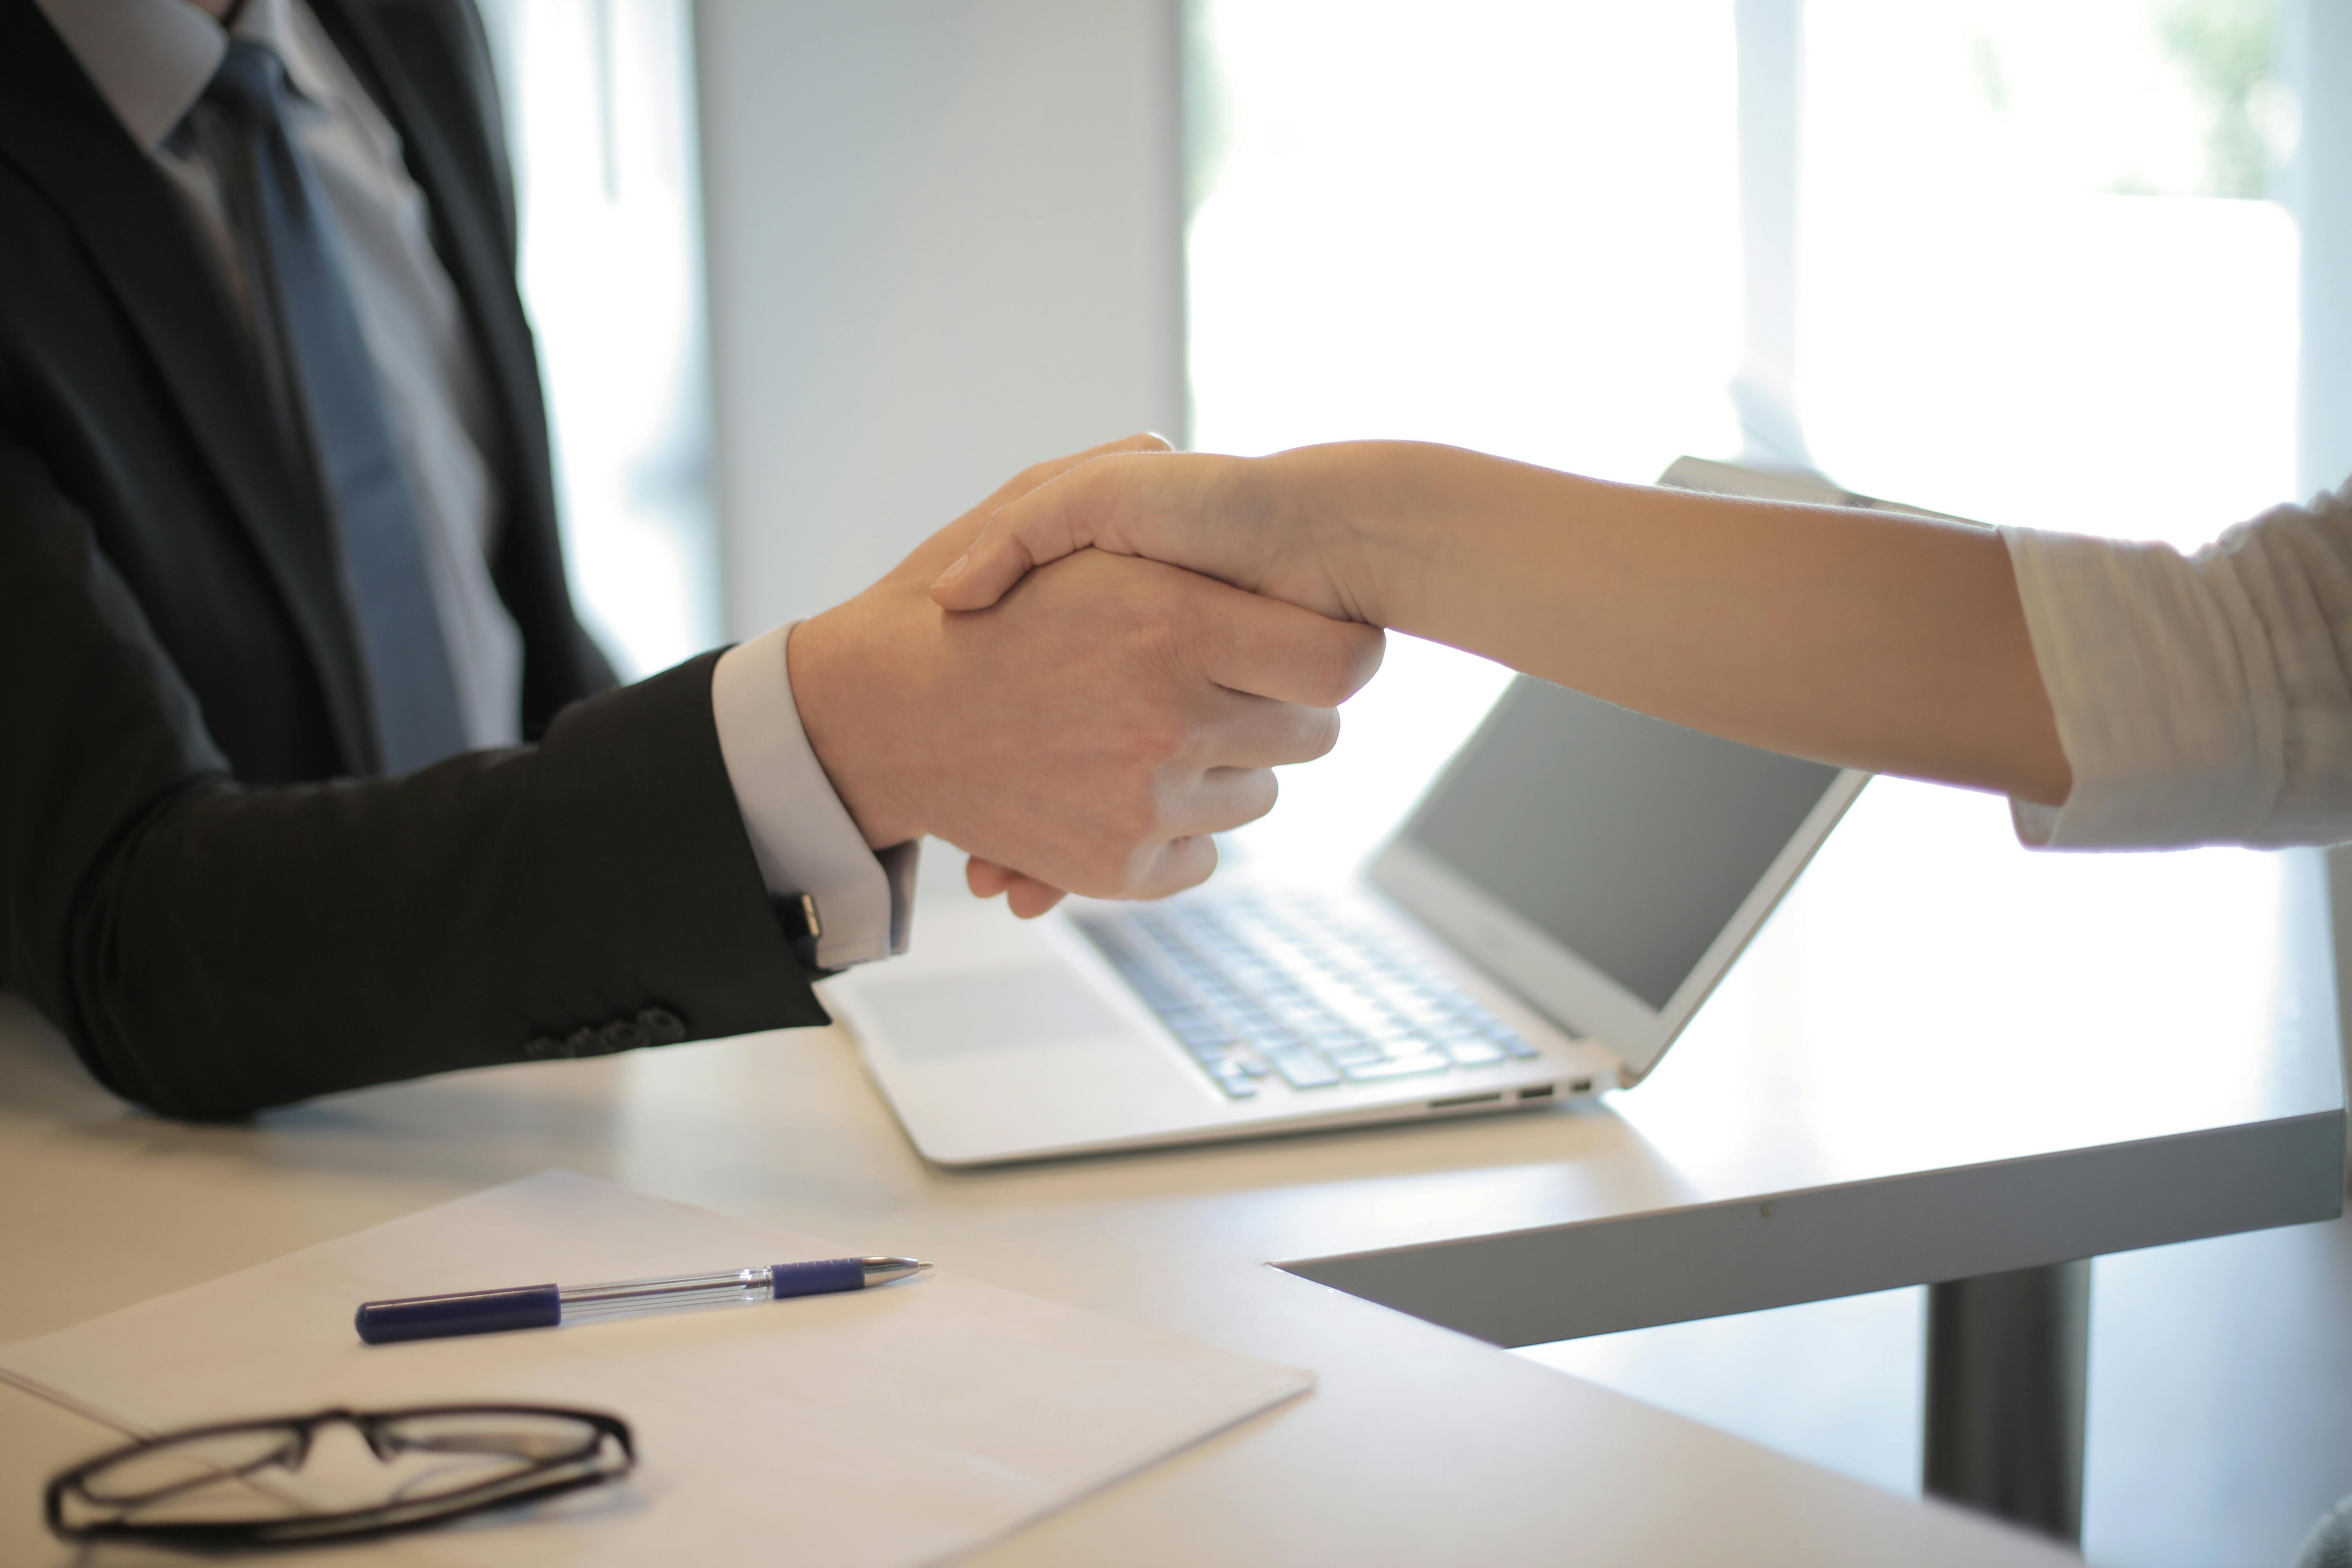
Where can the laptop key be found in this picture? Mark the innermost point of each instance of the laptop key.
(1257, 988)
(1233, 1077)
(1304, 1070)
(1397, 1067)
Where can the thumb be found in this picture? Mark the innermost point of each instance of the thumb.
(1054, 520)
(1012, 491)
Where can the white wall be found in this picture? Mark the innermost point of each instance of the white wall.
(2315, 46)
(2318, 43)
(943, 240)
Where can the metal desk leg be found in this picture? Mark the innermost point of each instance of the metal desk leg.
(2006, 1358)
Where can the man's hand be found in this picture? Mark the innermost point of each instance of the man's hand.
(1088, 733)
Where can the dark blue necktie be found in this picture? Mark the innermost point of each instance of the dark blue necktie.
(338, 402)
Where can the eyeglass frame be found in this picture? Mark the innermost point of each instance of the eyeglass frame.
(349, 1524)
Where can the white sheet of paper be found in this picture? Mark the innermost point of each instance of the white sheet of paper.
(890, 1426)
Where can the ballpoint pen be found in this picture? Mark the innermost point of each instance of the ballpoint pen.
(545, 1306)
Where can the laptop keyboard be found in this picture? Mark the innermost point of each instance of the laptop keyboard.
(1260, 986)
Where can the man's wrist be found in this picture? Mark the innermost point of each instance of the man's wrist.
(834, 692)
(841, 902)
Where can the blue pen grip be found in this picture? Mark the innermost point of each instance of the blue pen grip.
(476, 1312)
(817, 1278)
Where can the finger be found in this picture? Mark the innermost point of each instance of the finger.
(1273, 649)
(1179, 864)
(1241, 730)
(986, 878)
(1218, 800)
(1030, 898)
(1027, 896)
(1006, 548)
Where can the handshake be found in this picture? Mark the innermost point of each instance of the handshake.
(1073, 719)
(1098, 666)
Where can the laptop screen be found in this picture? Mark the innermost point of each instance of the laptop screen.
(1629, 841)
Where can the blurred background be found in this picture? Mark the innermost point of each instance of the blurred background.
(810, 279)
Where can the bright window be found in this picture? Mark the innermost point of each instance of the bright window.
(2040, 280)
(600, 110)
(1506, 223)
(2037, 274)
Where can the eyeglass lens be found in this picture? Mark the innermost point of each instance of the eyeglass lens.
(173, 1466)
(266, 1474)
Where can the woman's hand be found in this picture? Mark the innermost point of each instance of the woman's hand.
(1228, 518)
(1235, 519)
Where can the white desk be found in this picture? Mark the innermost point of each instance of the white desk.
(1893, 1088)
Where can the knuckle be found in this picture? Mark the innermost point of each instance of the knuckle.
(1153, 741)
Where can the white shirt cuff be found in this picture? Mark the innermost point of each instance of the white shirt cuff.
(802, 835)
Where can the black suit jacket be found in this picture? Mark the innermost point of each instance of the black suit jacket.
(199, 882)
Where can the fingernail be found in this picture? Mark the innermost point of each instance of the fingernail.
(954, 572)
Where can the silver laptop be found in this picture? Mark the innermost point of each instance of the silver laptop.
(1541, 927)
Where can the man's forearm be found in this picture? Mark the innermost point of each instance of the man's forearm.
(1869, 639)
(242, 948)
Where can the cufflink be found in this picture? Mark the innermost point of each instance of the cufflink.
(796, 913)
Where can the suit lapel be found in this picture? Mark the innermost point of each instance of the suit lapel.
(56, 131)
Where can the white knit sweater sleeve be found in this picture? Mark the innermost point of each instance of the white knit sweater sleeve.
(2204, 699)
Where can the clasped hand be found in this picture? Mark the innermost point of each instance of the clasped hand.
(1085, 728)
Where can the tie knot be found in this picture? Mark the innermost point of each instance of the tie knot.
(250, 85)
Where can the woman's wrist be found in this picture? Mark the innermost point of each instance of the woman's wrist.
(1318, 502)
(1377, 517)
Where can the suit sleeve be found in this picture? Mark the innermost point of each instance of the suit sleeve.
(212, 949)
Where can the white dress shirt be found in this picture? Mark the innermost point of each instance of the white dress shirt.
(2204, 699)
(151, 60)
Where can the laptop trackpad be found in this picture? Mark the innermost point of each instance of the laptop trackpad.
(1038, 1004)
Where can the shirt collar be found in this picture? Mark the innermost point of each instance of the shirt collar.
(151, 59)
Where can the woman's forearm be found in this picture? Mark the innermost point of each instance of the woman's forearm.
(1869, 639)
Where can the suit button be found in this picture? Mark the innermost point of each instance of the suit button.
(581, 1043)
(539, 1048)
(621, 1034)
(662, 1026)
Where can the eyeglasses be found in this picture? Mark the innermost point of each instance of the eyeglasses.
(334, 1475)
